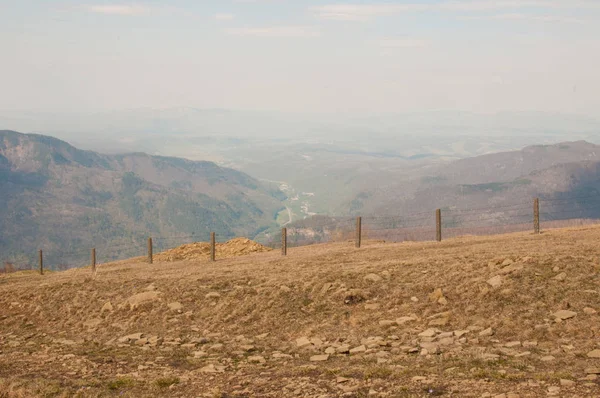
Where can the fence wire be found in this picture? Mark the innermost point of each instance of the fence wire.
(495, 219)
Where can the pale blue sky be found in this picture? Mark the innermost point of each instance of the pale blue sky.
(302, 56)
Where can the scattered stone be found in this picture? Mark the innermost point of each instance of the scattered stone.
(372, 306)
(414, 299)
(107, 307)
(132, 338)
(319, 358)
(373, 278)
(594, 354)
(592, 371)
(496, 281)
(566, 383)
(438, 297)
(564, 314)
(560, 277)
(303, 342)
(211, 368)
(428, 333)
(507, 262)
(387, 323)
(256, 359)
(341, 380)
(175, 306)
(212, 295)
(528, 344)
(343, 349)
(403, 319)
(547, 358)
(487, 332)
(513, 344)
(142, 298)
(589, 311)
(553, 390)
(439, 322)
(358, 350)
(330, 350)
(92, 323)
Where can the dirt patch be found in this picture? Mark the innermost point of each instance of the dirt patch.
(201, 250)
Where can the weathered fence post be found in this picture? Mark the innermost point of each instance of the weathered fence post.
(41, 262)
(438, 225)
(149, 250)
(284, 241)
(536, 215)
(212, 246)
(358, 232)
(93, 261)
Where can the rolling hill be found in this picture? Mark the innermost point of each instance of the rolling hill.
(503, 316)
(64, 200)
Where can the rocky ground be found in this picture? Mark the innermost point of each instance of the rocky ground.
(503, 316)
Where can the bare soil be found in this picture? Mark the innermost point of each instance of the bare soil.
(503, 316)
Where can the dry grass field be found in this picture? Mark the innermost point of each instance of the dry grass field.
(503, 316)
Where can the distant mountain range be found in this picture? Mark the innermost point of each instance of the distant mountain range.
(64, 200)
(568, 169)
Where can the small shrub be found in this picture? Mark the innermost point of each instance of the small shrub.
(166, 382)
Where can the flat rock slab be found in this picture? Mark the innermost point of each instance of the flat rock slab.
(564, 314)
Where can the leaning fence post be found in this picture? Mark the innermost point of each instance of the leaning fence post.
(284, 241)
(438, 225)
(149, 250)
(93, 260)
(536, 215)
(358, 232)
(41, 262)
(212, 246)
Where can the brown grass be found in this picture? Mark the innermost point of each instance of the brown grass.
(55, 339)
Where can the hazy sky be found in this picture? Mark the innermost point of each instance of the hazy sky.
(313, 55)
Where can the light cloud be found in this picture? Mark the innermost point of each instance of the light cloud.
(405, 42)
(118, 9)
(361, 12)
(528, 18)
(224, 17)
(276, 31)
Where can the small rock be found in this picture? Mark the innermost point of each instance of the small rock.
(592, 371)
(212, 295)
(560, 277)
(358, 350)
(566, 383)
(403, 319)
(547, 358)
(507, 262)
(594, 354)
(319, 358)
(387, 323)
(553, 390)
(589, 311)
(529, 344)
(256, 359)
(175, 306)
(341, 380)
(487, 332)
(428, 333)
(496, 281)
(512, 344)
(414, 299)
(372, 306)
(142, 298)
(373, 278)
(107, 307)
(330, 350)
(303, 342)
(564, 314)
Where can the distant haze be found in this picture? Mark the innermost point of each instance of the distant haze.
(308, 56)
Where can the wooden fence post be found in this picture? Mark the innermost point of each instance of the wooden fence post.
(41, 262)
(358, 232)
(438, 225)
(93, 261)
(284, 241)
(536, 215)
(149, 250)
(212, 246)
